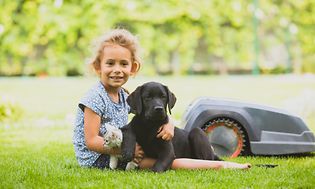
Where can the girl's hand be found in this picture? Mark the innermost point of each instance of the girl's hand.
(166, 131)
(139, 154)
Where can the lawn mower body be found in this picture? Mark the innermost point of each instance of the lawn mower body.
(264, 130)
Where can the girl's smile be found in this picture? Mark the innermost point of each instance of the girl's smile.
(116, 77)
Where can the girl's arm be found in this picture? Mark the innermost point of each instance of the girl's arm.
(94, 142)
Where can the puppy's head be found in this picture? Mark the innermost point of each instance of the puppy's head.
(113, 136)
(151, 100)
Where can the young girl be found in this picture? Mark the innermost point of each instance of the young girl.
(116, 60)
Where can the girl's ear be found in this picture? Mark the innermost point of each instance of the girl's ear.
(135, 68)
(96, 64)
(98, 71)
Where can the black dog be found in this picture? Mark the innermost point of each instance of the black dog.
(149, 104)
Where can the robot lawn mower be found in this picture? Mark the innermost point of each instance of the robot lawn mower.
(236, 128)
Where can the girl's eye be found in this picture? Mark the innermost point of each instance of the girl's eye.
(124, 63)
(109, 62)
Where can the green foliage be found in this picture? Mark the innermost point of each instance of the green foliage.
(309, 64)
(53, 37)
(275, 70)
(9, 111)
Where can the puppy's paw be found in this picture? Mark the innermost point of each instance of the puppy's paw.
(158, 169)
(131, 166)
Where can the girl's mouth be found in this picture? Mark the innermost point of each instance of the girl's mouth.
(116, 77)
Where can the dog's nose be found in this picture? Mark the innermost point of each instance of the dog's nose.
(158, 109)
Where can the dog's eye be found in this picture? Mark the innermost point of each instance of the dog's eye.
(163, 96)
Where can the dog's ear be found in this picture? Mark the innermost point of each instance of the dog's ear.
(171, 99)
(135, 102)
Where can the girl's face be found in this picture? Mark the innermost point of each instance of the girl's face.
(115, 67)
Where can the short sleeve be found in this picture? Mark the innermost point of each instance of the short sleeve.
(94, 101)
(124, 95)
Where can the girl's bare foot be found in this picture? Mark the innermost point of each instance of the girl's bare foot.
(232, 165)
(247, 166)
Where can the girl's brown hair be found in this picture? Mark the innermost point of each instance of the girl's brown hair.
(120, 37)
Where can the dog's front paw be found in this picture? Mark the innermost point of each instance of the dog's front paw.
(158, 169)
(131, 166)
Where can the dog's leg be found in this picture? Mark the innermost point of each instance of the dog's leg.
(166, 156)
(128, 144)
(200, 145)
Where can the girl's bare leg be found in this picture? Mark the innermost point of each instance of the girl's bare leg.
(186, 163)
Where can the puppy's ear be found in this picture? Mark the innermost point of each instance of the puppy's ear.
(171, 99)
(135, 102)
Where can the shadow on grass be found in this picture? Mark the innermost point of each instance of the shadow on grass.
(286, 156)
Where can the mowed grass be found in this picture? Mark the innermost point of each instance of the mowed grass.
(37, 151)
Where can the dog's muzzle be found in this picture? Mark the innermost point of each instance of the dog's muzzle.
(157, 113)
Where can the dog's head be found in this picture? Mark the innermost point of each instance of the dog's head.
(152, 99)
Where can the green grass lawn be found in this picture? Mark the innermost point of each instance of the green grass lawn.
(37, 152)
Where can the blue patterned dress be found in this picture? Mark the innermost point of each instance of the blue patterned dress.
(112, 113)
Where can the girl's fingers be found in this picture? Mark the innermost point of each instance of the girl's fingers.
(160, 134)
(160, 129)
(164, 135)
(167, 137)
(137, 160)
(139, 155)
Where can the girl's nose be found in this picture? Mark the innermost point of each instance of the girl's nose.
(117, 69)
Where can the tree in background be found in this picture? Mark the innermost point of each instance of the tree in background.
(178, 37)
